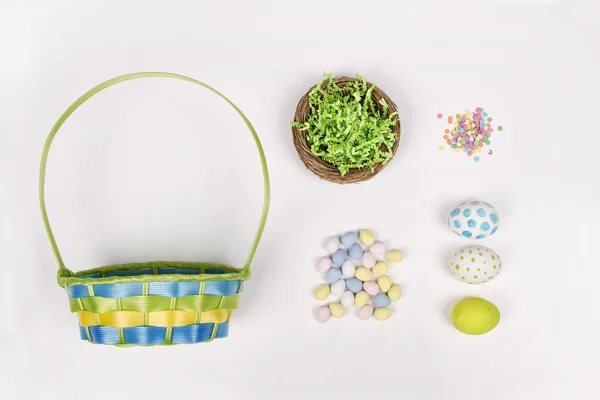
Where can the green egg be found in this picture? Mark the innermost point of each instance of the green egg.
(475, 316)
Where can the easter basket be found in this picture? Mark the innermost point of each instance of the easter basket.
(153, 303)
(322, 168)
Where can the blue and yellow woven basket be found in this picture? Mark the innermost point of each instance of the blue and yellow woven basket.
(155, 303)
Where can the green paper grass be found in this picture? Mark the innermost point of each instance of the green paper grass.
(345, 128)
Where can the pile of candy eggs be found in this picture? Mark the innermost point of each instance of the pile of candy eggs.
(355, 273)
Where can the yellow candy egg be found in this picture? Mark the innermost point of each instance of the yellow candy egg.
(367, 237)
(394, 293)
(361, 298)
(382, 313)
(394, 256)
(381, 268)
(363, 274)
(475, 316)
(322, 292)
(385, 283)
(337, 310)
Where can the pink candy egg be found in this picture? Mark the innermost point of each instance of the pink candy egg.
(368, 260)
(365, 312)
(323, 314)
(377, 248)
(371, 287)
(324, 264)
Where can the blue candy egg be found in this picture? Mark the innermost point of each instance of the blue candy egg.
(349, 238)
(333, 275)
(355, 252)
(381, 300)
(354, 285)
(339, 257)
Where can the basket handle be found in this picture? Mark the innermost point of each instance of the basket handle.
(61, 266)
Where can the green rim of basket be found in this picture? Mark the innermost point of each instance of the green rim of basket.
(67, 277)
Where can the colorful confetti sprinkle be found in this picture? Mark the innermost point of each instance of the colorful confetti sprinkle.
(439, 116)
(441, 148)
(500, 127)
(469, 132)
(490, 152)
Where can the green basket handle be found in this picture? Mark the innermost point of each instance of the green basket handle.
(265, 210)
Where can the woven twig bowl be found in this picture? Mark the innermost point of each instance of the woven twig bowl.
(323, 169)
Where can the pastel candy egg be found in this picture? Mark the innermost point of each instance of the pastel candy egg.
(347, 299)
(371, 287)
(333, 274)
(322, 292)
(333, 244)
(367, 237)
(368, 259)
(339, 257)
(348, 269)
(475, 264)
(337, 310)
(355, 252)
(365, 312)
(394, 293)
(394, 256)
(474, 219)
(354, 285)
(377, 248)
(380, 268)
(324, 264)
(381, 300)
(384, 282)
(382, 313)
(361, 298)
(349, 238)
(475, 316)
(323, 314)
(363, 274)
(338, 288)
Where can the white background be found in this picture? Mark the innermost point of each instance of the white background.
(164, 170)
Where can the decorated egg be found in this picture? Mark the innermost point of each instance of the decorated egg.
(474, 220)
(475, 264)
(475, 316)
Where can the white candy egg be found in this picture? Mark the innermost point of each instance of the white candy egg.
(475, 264)
(474, 219)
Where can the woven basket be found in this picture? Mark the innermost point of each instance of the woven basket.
(323, 169)
(155, 303)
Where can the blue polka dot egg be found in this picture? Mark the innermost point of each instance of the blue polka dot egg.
(474, 220)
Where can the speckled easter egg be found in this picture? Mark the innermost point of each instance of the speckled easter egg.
(474, 264)
(474, 219)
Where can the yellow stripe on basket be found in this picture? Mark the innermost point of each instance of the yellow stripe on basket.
(167, 318)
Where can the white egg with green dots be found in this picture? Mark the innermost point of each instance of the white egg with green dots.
(475, 264)
(474, 220)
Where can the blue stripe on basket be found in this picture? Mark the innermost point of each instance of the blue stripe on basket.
(152, 335)
(198, 333)
(216, 271)
(167, 289)
(135, 272)
(183, 271)
(78, 291)
(104, 334)
(120, 290)
(222, 330)
(173, 289)
(98, 275)
(144, 335)
(222, 288)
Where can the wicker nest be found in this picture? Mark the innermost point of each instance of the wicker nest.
(323, 169)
